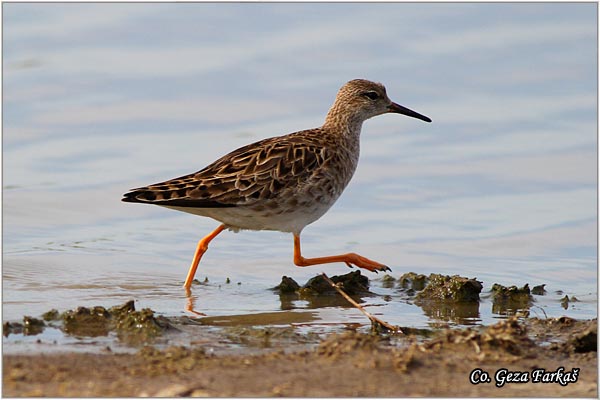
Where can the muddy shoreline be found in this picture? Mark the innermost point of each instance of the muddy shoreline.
(346, 364)
(268, 354)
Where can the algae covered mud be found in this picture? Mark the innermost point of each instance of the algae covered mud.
(514, 357)
(306, 313)
(505, 359)
(140, 353)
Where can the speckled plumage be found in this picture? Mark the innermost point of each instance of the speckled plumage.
(282, 183)
(258, 185)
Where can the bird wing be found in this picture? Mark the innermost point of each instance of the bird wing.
(255, 172)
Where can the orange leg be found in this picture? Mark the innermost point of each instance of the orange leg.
(350, 259)
(200, 250)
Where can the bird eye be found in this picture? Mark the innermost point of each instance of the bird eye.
(371, 95)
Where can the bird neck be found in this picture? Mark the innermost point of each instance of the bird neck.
(344, 134)
(342, 122)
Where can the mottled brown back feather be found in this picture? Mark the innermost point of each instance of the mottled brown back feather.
(258, 171)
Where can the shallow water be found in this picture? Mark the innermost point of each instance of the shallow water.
(100, 98)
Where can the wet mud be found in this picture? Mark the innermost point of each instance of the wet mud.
(518, 356)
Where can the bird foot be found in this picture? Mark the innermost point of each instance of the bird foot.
(363, 262)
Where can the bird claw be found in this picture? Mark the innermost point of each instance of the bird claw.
(376, 269)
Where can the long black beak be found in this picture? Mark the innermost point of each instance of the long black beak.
(397, 108)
